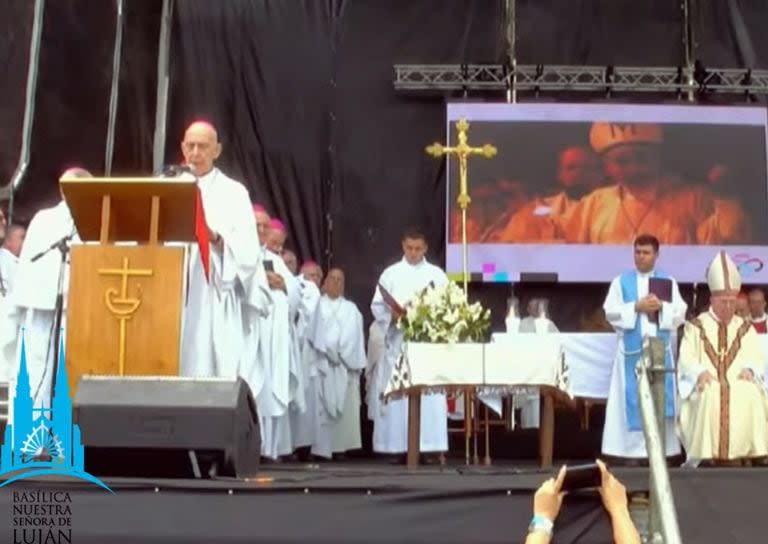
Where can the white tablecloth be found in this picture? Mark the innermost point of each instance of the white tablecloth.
(529, 360)
(589, 357)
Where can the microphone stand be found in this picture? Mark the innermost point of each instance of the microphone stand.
(58, 310)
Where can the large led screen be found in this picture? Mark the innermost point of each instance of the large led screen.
(572, 185)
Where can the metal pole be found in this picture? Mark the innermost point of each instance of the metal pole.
(656, 378)
(662, 507)
(688, 45)
(114, 90)
(29, 108)
(511, 35)
(161, 110)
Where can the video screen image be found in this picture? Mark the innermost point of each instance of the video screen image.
(572, 186)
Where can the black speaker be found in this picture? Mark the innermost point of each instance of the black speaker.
(167, 427)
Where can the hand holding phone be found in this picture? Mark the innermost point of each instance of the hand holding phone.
(582, 477)
(269, 266)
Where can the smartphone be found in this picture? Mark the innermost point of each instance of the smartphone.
(582, 477)
(269, 266)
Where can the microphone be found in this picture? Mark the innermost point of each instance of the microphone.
(57, 244)
(175, 170)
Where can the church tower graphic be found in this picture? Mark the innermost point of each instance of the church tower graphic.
(42, 441)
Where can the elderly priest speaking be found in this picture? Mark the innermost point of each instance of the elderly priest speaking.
(724, 409)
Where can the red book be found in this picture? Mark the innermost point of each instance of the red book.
(390, 301)
(662, 288)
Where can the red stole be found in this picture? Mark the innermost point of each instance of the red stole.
(760, 326)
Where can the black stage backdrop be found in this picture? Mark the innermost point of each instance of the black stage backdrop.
(302, 94)
(15, 31)
(70, 124)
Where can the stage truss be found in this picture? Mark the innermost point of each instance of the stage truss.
(678, 81)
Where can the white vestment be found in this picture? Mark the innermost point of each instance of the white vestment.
(390, 429)
(303, 423)
(377, 333)
(221, 315)
(335, 352)
(309, 296)
(283, 389)
(33, 301)
(618, 440)
(8, 265)
(728, 417)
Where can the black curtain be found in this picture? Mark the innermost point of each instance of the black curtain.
(72, 98)
(137, 88)
(600, 32)
(260, 72)
(15, 33)
(731, 33)
(302, 94)
(383, 180)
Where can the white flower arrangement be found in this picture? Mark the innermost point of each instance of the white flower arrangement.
(443, 315)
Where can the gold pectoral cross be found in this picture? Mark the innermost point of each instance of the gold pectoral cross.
(120, 305)
(462, 150)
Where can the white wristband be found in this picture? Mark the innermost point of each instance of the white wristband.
(541, 524)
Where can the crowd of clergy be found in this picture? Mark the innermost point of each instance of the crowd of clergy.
(289, 332)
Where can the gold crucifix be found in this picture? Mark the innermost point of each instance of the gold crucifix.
(462, 151)
(120, 305)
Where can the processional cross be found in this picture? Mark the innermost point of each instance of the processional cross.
(462, 150)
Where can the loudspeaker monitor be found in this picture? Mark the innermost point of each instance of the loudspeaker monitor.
(167, 427)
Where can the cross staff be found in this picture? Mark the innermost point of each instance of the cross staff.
(462, 151)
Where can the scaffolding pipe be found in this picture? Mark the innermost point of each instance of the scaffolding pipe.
(688, 45)
(657, 377)
(511, 35)
(29, 108)
(662, 504)
(113, 93)
(163, 77)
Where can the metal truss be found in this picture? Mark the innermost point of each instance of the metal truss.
(608, 79)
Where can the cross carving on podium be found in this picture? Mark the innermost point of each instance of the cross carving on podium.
(120, 304)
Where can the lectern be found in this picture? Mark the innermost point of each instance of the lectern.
(124, 301)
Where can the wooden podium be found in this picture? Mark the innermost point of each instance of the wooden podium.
(124, 304)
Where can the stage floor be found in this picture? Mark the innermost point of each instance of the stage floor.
(376, 502)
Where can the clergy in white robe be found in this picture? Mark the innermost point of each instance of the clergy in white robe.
(335, 352)
(375, 353)
(724, 404)
(9, 257)
(311, 271)
(274, 351)
(631, 310)
(403, 280)
(284, 392)
(309, 296)
(33, 300)
(9, 262)
(303, 423)
(222, 311)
